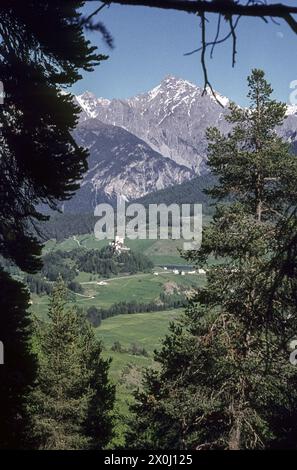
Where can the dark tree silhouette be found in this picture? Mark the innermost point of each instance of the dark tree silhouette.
(42, 50)
(18, 371)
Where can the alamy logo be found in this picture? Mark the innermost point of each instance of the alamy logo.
(293, 94)
(158, 222)
(1, 353)
(293, 355)
(2, 94)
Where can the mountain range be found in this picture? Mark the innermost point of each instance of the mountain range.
(151, 141)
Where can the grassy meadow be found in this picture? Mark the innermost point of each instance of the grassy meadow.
(146, 330)
(143, 287)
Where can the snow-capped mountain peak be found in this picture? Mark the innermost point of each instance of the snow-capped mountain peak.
(89, 103)
(172, 118)
(175, 83)
(177, 89)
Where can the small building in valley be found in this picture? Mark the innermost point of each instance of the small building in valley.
(118, 245)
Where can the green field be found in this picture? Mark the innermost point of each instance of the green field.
(145, 329)
(142, 287)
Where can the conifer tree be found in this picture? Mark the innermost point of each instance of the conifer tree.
(17, 373)
(42, 52)
(70, 406)
(225, 380)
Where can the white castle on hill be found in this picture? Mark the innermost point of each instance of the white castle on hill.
(118, 245)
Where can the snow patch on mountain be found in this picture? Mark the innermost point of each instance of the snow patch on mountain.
(171, 118)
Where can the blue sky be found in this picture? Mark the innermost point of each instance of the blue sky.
(150, 44)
